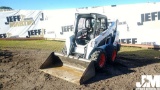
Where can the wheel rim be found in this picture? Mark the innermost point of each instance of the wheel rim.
(114, 55)
(102, 60)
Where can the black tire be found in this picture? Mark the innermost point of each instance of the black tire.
(100, 59)
(118, 47)
(114, 56)
(111, 53)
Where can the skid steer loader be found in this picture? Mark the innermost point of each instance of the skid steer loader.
(94, 44)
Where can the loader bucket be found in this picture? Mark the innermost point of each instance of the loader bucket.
(72, 70)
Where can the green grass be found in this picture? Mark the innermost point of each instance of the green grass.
(32, 44)
(130, 52)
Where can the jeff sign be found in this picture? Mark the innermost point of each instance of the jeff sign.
(146, 17)
(148, 82)
(19, 20)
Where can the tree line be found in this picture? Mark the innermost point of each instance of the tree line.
(5, 7)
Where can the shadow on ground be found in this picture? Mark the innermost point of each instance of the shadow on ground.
(125, 61)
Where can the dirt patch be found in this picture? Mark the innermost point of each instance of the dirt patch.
(19, 70)
(5, 56)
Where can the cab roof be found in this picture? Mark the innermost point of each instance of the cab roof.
(89, 15)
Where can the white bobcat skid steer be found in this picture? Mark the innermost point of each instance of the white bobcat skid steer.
(93, 44)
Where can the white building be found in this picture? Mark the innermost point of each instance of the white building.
(138, 23)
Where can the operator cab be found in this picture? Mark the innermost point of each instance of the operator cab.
(88, 26)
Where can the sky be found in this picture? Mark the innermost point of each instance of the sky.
(63, 4)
